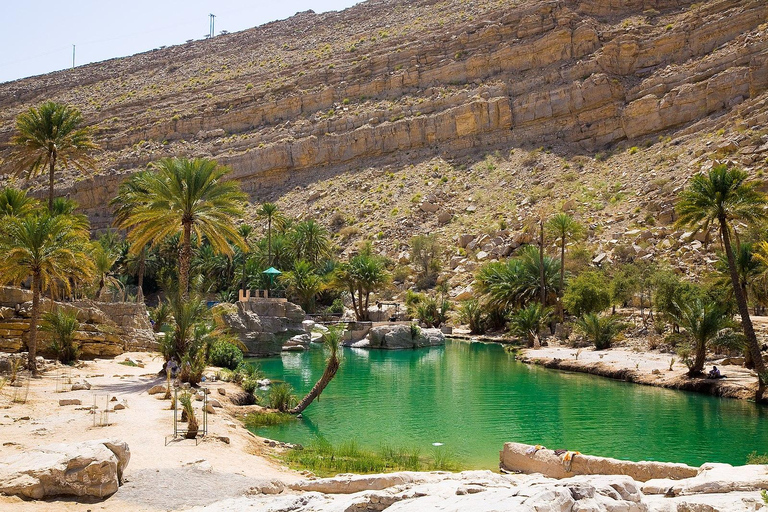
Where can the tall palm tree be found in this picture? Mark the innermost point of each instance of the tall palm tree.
(132, 193)
(701, 320)
(563, 226)
(331, 340)
(362, 275)
(186, 197)
(723, 196)
(310, 242)
(49, 134)
(269, 212)
(49, 250)
(15, 202)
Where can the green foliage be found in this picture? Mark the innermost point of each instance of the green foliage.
(433, 311)
(701, 320)
(364, 274)
(303, 284)
(185, 400)
(281, 397)
(258, 419)
(471, 313)
(599, 330)
(528, 321)
(415, 330)
(325, 459)
(15, 203)
(587, 293)
(61, 326)
(425, 255)
(310, 241)
(756, 458)
(225, 355)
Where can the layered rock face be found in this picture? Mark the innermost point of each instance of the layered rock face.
(106, 329)
(399, 80)
(262, 325)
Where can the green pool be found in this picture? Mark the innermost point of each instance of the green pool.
(472, 397)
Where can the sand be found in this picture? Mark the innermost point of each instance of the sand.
(160, 476)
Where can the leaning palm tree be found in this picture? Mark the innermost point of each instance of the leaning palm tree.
(722, 197)
(563, 226)
(702, 320)
(49, 250)
(185, 197)
(49, 134)
(331, 340)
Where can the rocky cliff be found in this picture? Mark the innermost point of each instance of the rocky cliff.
(400, 82)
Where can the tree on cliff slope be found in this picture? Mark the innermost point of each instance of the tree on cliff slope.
(49, 250)
(186, 197)
(47, 135)
(723, 196)
(563, 226)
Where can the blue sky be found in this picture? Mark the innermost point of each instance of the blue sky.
(38, 35)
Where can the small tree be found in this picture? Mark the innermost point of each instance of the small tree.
(702, 320)
(61, 327)
(528, 322)
(471, 313)
(360, 277)
(425, 254)
(587, 293)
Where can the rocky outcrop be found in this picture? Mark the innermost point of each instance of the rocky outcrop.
(399, 336)
(523, 458)
(106, 329)
(262, 325)
(487, 491)
(90, 468)
(386, 79)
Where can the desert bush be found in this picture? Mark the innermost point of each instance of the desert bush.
(224, 354)
(587, 293)
(599, 330)
(281, 397)
(61, 326)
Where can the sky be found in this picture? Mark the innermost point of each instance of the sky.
(39, 34)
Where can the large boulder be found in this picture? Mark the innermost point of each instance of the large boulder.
(262, 325)
(401, 336)
(90, 468)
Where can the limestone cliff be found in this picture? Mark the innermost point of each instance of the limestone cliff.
(397, 80)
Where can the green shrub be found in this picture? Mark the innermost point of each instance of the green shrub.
(281, 397)
(61, 326)
(258, 419)
(755, 458)
(225, 355)
(599, 330)
(587, 293)
(471, 313)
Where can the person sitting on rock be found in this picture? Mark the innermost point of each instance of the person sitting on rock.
(714, 373)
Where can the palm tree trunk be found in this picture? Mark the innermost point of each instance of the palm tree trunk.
(269, 241)
(562, 280)
(185, 256)
(541, 263)
(746, 321)
(330, 371)
(51, 168)
(698, 361)
(33, 320)
(140, 278)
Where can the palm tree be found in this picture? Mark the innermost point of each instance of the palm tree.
(528, 321)
(563, 226)
(723, 196)
(362, 275)
(15, 202)
(304, 283)
(701, 320)
(130, 195)
(186, 197)
(600, 330)
(309, 241)
(104, 259)
(331, 340)
(747, 267)
(47, 135)
(269, 211)
(49, 250)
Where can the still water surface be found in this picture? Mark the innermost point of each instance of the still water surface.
(472, 397)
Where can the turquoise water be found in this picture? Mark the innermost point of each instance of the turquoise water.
(472, 397)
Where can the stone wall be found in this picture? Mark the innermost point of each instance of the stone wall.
(99, 335)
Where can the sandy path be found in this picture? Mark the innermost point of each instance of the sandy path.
(175, 476)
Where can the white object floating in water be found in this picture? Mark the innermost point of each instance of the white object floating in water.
(437, 444)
